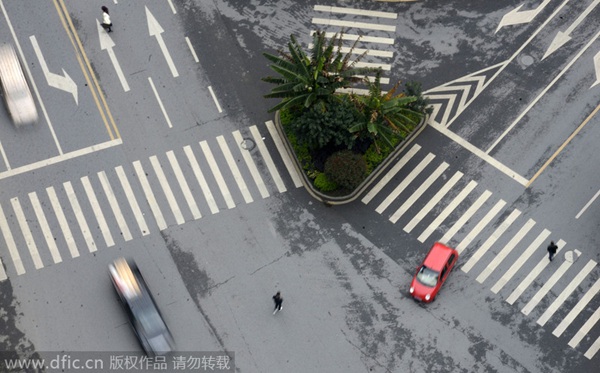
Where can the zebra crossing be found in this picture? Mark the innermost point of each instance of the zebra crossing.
(114, 206)
(457, 201)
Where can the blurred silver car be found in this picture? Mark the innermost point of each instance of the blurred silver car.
(15, 90)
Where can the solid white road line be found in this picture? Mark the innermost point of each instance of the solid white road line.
(258, 139)
(185, 188)
(3, 275)
(43, 222)
(172, 7)
(404, 183)
(212, 163)
(135, 207)
(593, 349)
(490, 241)
(351, 24)
(487, 271)
(568, 290)
(433, 201)
(464, 218)
(391, 173)
(541, 293)
(480, 225)
(212, 204)
(585, 328)
(447, 211)
(359, 12)
(363, 39)
(575, 311)
(62, 221)
(164, 184)
(418, 192)
(189, 43)
(83, 225)
(160, 104)
(114, 205)
(588, 203)
(214, 97)
(141, 174)
(532, 275)
(89, 191)
(296, 178)
(372, 65)
(520, 261)
(237, 175)
(260, 184)
(33, 251)
(10, 244)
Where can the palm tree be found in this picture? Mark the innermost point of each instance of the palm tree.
(385, 114)
(306, 80)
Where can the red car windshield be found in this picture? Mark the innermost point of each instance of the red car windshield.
(427, 276)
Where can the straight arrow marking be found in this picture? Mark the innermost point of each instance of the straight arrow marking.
(107, 43)
(515, 17)
(562, 38)
(155, 30)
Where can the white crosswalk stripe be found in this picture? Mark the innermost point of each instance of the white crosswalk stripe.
(239, 179)
(214, 167)
(158, 216)
(466, 216)
(10, 244)
(480, 225)
(62, 221)
(83, 225)
(258, 180)
(135, 207)
(185, 188)
(29, 241)
(576, 310)
(41, 218)
(89, 190)
(114, 205)
(212, 204)
(164, 183)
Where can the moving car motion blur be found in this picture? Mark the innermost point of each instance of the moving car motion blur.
(15, 90)
(433, 272)
(144, 315)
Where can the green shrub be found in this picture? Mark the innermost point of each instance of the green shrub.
(323, 183)
(346, 169)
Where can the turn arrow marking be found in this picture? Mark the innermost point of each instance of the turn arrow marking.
(597, 68)
(107, 43)
(155, 30)
(515, 17)
(64, 83)
(562, 38)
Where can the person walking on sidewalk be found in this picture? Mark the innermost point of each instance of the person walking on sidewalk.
(552, 250)
(278, 301)
(106, 23)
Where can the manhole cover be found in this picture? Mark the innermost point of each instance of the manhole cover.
(526, 60)
(248, 143)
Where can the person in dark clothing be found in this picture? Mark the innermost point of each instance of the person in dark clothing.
(552, 250)
(278, 301)
(106, 22)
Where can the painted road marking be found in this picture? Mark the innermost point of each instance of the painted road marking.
(135, 207)
(189, 43)
(46, 231)
(593, 349)
(287, 161)
(237, 175)
(214, 97)
(266, 156)
(160, 104)
(355, 37)
(351, 24)
(260, 184)
(185, 188)
(480, 225)
(466, 216)
(160, 220)
(114, 205)
(164, 184)
(62, 221)
(83, 225)
(360, 12)
(33, 251)
(541, 293)
(585, 330)
(10, 244)
(212, 204)
(214, 167)
(575, 311)
(89, 191)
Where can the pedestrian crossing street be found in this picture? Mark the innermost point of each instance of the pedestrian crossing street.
(115, 206)
(444, 217)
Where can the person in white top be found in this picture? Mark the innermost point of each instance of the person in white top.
(106, 23)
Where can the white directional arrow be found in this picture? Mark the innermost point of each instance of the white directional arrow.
(155, 30)
(515, 17)
(597, 68)
(64, 83)
(562, 38)
(107, 43)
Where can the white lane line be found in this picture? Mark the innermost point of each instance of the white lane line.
(83, 225)
(363, 39)
(160, 104)
(535, 245)
(532, 275)
(4, 157)
(575, 311)
(141, 174)
(585, 329)
(418, 192)
(237, 175)
(260, 184)
(464, 218)
(212, 163)
(359, 12)
(258, 139)
(114, 205)
(3, 275)
(351, 24)
(569, 289)
(46, 231)
(10, 244)
(433, 201)
(62, 221)
(214, 97)
(372, 65)
(185, 188)
(89, 191)
(447, 211)
(487, 271)
(404, 183)
(480, 225)
(164, 184)
(172, 7)
(212, 204)
(593, 349)
(33, 251)
(587, 204)
(391, 173)
(135, 207)
(541, 293)
(490, 241)
(296, 178)
(189, 43)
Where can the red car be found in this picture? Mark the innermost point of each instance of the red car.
(433, 272)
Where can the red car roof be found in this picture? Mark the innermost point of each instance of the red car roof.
(438, 256)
